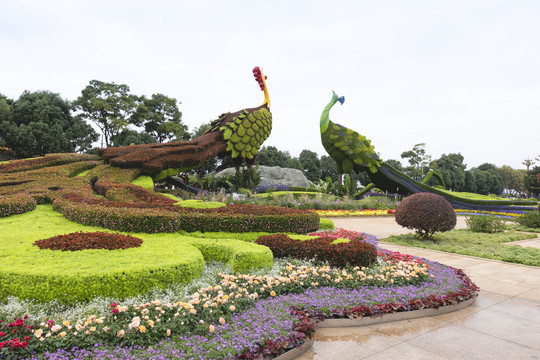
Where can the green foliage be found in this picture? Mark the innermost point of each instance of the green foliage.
(530, 181)
(161, 118)
(488, 246)
(419, 161)
(40, 123)
(311, 165)
(326, 224)
(199, 204)
(271, 156)
(426, 213)
(128, 137)
(485, 224)
(530, 219)
(241, 255)
(144, 181)
(108, 105)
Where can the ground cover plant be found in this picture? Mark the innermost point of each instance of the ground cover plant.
(249, 305)
(489, 246)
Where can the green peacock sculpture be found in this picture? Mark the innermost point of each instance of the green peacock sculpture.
(353, 152)
(239, 135)
(350, 150)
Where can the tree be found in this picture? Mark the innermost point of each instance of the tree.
(452, 170)
(419, 162)
(328, 168)
(531, 181)
(528, 163)
(311, 165)
(161, 118)
(108, 105)
(132, 137)
(470, 182)
(495, 185)
(271, 156)
(40, 123)
(396, 164)
(512, 179)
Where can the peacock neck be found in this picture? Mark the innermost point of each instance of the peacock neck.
(325, 116)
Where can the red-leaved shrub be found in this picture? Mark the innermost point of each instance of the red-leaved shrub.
(354, 253)
(89, 240)
(426, 213)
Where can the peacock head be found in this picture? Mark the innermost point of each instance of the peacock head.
(337, 98)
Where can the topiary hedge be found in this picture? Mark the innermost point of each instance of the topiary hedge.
(340, 254)
(78, 241)
(426, 213)
(231, 218)
(16, 204)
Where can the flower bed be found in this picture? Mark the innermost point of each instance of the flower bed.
(218, 321)
(359, 212)
(88, 240)
(18, 204)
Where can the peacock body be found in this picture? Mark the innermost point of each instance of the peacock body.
(349, 149)
(239, 134)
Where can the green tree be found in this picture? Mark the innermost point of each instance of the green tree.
(108, 105)
(311, 165)
(452, 170)
(328, 168)
(494, 181)
(132, 137)
(531, 181)
(419, 161)
(271, 156)
(396, 164)
(161, 118)
(483, 182)
(40, 123)
(512, 179)
(470, 182)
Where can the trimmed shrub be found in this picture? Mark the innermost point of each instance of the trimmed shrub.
(326, 224)
(89, 240)
(530, 219)
(341, 254)
(426, 213)
(485, 224)
(17, 204)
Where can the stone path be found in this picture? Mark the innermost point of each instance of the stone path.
(504, 322)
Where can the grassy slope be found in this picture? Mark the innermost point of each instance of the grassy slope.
(465, 242)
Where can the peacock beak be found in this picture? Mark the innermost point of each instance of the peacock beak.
(341, 99)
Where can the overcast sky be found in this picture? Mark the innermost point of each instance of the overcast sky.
(460, 76)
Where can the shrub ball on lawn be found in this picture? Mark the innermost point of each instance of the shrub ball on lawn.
(426, 213)
(89, 240)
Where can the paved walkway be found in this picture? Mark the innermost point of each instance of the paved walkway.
(503, 323)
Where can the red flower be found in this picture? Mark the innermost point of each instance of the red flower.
(2, 333)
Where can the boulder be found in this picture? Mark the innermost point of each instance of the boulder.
(274, 175)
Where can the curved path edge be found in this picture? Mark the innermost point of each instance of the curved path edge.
(399, 316)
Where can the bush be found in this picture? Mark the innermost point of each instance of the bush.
(530, 219)
(485, 224)
(354, 253)
(426, 213)
(90, 240)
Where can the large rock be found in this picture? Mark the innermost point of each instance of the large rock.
(274, 175)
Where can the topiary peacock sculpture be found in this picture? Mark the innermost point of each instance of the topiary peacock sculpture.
(239, 135)
(350, 150)
(353, 152)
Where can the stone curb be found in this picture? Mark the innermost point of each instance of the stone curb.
(399, 316)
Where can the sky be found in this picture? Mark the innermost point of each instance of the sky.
(460, 76)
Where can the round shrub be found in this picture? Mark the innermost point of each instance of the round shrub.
(485, 224)
(426, 213)
(89, 240)
(530, 220)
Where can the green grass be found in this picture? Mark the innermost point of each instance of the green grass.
(488, 246)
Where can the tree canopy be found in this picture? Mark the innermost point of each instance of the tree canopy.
(39, 123)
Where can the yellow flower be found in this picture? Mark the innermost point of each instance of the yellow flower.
(272, 293)
(62, 334)
(221, 320)
(142, 328)
(38, 333)
(232, 308)
(193, 311)
(66, 323)
(168, 332)
(212, 328)
(93, 328)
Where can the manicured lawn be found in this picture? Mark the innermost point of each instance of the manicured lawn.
(488, 246)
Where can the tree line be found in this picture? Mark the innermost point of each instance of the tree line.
(42, 122)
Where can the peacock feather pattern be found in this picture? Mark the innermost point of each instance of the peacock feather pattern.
(239, 135)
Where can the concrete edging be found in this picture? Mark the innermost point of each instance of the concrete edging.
(399, 316)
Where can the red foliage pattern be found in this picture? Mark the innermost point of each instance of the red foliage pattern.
(354, 253)
(90, 240)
